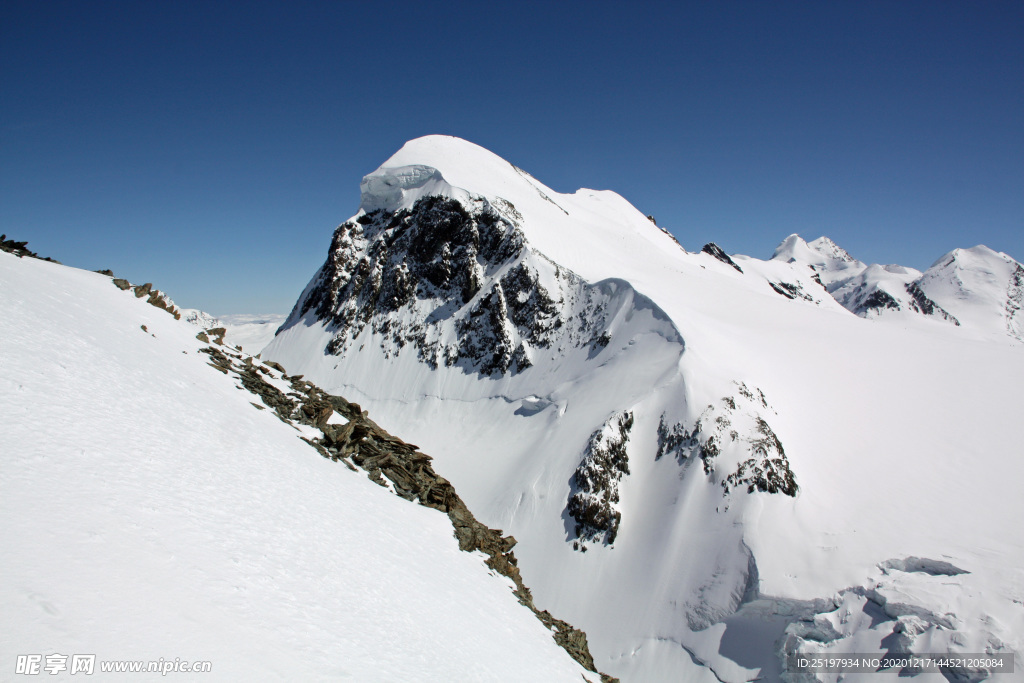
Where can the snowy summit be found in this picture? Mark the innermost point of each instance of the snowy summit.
(703, 457)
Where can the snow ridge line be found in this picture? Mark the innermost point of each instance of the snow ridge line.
(362, 442)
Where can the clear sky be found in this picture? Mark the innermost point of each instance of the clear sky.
(212, 147)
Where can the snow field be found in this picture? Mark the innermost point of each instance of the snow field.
(154, 512)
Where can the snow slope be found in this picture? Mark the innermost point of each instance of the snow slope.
(151, 511)
(779, 449)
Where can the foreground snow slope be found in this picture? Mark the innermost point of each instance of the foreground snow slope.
(697, 455)
(150, 511)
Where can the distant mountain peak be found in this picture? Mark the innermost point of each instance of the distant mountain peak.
(822, 251)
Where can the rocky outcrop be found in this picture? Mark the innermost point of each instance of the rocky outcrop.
(877, 301)
(154, 297)
(767, 470)
(361, 443)
(713, 249)
(920, 303)
(456, 284)
(20, 249)
(1014, 303)
(791, 290)
(735, 427)
(593, 502)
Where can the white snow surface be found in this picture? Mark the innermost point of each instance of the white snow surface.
(831, 261)
(981, 287)
(248, 331)
(200, 319)
(252, 332)
(903, 434)
(151, 511)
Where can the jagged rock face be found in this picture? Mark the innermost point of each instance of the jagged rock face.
(1014, 302)
(876, 300)
(920, 303)
(713, 249)
(457, 284)
(735, 426)
(792, 290)
(594, 500)
(20, 249)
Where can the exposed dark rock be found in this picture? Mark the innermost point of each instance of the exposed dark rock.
(107, 272)
(20, 249)
(142, 290)
(1014, 303)
(768, 470)
(121, 283)
(791, 291)
(673, 439)
(716, 251)
(383, 262)
(203, 338)
(159, 300)
(922, 304)
(389, 461)
(592, 503)
(448, 267)
(876, 301)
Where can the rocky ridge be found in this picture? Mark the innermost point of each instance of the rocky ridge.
(388, 461)
(20, 249)
(456, 284)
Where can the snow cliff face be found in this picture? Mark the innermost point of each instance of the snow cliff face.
(675, 439)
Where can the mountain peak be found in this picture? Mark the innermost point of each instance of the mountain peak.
(796, 249)
(442, 165)
(827, 247)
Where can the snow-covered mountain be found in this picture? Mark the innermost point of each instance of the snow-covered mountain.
(157, 512)
(978, 288)
(707, 460)
(200, 319)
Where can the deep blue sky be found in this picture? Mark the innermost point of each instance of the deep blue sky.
(212, 147)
